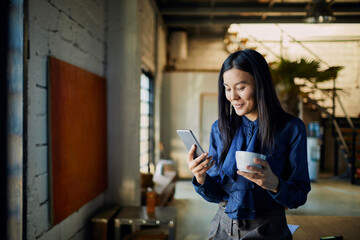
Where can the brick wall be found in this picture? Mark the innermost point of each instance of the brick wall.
(203, 54)
(72, 31)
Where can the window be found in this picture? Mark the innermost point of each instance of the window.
(146, 123)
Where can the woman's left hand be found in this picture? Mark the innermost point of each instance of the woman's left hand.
(263, 177)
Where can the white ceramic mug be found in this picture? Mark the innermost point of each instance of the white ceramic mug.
(244, 159)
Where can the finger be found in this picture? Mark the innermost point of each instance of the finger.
(202, 171)
(208, 162)
(255, 169)
(191, 153)
(200, 164)
(201, 158)
(244, 174)
(196, 163)
(204, 166)
(262, 162)
(241, 173)
(250, 176)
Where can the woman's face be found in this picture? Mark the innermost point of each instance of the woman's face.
(240, 91)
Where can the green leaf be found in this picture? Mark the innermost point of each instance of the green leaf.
(285, 71)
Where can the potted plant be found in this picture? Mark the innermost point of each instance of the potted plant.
(284, 73)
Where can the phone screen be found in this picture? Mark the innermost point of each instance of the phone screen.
(189, 139)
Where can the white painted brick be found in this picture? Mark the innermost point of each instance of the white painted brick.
(70, 225)
(80, 218)
(37, 66)
(96, 12)
(94, 29)
(78, 56)
(93, 24)
(33, 201)
(78, 12)
(39, 42)
(53, 233)
(82, 38)
(37, 124)
(96, 49)
(82, 234)
(63, 5)
(37, 161)
(200, 55)
(44, 14)
(66, 28)
(82, 61)
(42, 219)
(37, 197)
(60, 48)
(41, 181)
(98, 66)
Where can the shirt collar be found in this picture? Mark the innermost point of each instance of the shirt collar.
(249, 123)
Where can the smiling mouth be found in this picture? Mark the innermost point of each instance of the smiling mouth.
(238, 105)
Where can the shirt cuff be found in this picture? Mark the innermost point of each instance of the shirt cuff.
(201, 187)
(273, 194)
(195, 182)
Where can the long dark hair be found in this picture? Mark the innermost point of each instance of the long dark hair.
(270, 111)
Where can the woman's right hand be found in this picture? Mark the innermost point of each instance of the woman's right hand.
(199, 165)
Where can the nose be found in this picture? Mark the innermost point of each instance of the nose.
(233, 95)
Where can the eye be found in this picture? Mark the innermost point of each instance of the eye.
(240, 88)
(227, 89)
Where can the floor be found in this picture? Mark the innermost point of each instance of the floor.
(329, 197)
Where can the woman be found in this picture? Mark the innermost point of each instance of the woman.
(252, 205)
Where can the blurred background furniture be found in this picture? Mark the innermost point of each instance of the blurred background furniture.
(162, 182)
(137, 223)
(103, 223)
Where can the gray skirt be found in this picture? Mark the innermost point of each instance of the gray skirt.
(268, 225)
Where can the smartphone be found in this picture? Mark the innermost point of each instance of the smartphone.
(189, 139)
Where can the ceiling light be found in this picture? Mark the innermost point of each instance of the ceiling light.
(318, 11)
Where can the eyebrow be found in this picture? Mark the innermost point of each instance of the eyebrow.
(241, 82)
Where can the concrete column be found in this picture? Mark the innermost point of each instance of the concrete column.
(123, 91)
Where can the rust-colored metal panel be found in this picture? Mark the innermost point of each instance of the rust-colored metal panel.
(77, 137)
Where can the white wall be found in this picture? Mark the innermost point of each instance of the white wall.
(180, 109)
(72, 31)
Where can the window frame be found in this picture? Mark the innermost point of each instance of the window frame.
(149, 166)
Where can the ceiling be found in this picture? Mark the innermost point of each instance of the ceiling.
(212, 17)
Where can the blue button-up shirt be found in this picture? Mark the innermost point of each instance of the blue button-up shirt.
(287, 160)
